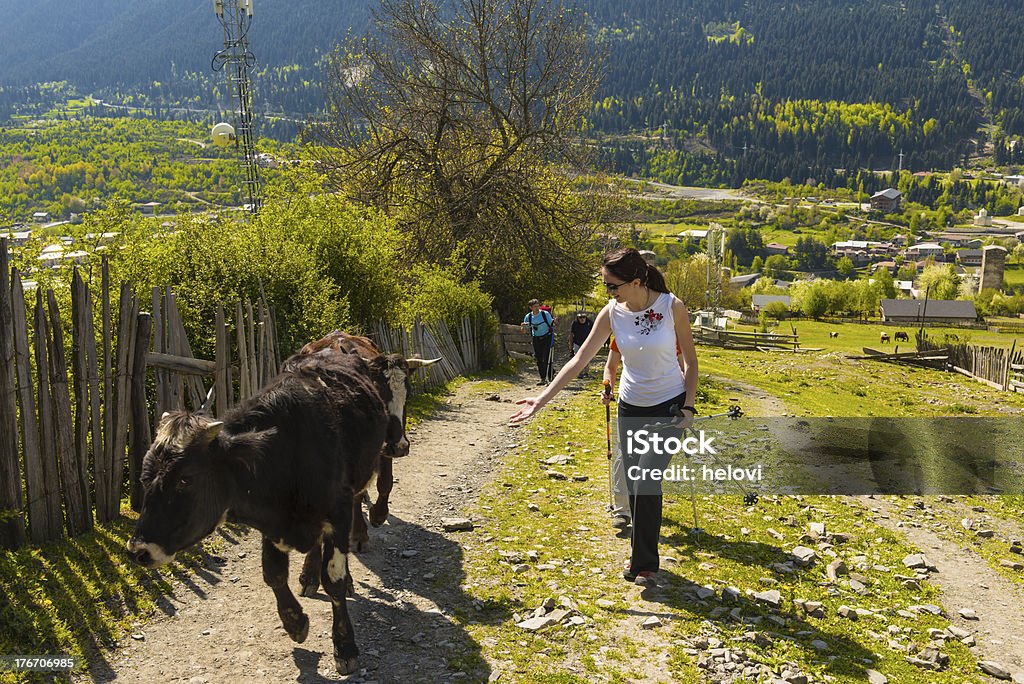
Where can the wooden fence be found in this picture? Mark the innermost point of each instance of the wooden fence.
(733, 339)
(461, 352)
(65, 444)
(997, 367)
(76, 423)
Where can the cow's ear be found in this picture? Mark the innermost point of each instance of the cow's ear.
(210, 432)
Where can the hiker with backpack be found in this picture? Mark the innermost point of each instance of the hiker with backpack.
(540, 325)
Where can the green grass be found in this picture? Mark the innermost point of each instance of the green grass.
(826, 383)
(1013, 275)
(569, 532)
(81, 596)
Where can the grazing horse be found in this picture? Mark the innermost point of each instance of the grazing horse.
(901, 336)
(833, 334)
(884, 337)
(290, 462)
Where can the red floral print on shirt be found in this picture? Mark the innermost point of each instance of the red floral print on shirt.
(648, 321)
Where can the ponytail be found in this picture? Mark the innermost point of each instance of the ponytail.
(655, 280)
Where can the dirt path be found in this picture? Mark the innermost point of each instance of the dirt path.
(222, 626)
(966, 580)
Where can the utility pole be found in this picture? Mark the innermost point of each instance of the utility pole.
(901, 161)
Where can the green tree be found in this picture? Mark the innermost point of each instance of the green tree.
(460, 119)
(776, 266)
(845, 266)
(814, 303)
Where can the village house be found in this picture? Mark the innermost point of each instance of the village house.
(924, 250)
(887, 200)
(41, 216)
(861, 251)
(760, 301)
(927, 311)
(775, 249)
(968, 257)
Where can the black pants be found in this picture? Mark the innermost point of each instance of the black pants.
(645, 507)
(542, 350)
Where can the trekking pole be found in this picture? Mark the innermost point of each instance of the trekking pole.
(607, 393)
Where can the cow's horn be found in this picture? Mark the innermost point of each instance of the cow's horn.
(164, 417)
(422, 363)
(208, 404)
(211, 431)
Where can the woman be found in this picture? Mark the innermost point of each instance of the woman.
(648, 322)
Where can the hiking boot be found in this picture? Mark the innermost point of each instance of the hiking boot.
(620, 521)
(645, 578)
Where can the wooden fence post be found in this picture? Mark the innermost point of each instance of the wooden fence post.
(221, 377)
(101, 467)
(35, 474)
(73, 478)
(47, 429)
(140, 434)
(128, 311)
(108, 395)
(80, 379)
(12, 527)
(244, 391)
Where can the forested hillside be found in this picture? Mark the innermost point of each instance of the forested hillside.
(695, 91)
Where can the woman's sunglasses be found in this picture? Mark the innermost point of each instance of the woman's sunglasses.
(612, 287)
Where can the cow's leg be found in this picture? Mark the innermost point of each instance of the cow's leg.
(359, 538)
(309, 578)
(385, 483)
(336, 580)
(275, 574)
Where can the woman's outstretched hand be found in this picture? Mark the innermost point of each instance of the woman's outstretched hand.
(529, 406)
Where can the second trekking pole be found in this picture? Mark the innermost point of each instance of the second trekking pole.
(607, 393)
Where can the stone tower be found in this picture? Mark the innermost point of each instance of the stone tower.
(992, 259)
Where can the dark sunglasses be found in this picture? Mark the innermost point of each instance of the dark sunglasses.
(612, 287)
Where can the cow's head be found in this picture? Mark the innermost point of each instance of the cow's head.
(396, 370)
(190, 475)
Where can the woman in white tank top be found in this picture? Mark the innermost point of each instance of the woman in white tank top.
(648, 322)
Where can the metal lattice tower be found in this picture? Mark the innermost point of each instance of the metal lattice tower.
(716, 248)
(237, 62)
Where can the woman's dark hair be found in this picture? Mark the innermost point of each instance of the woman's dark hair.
(627, 265)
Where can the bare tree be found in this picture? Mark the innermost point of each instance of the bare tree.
(463, 120)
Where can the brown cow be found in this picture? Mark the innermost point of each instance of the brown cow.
(391, 376)
(884, 337)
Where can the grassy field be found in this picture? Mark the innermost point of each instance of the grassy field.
(853, 337)
(575, 555)
(1013, 275)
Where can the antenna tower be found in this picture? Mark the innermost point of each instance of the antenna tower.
(237, 61)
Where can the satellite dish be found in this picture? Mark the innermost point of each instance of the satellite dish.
(223, 134)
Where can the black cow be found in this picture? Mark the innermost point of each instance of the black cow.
(290, 462)
(901, 336)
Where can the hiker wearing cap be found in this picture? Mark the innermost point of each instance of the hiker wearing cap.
(648, 322)
(539, 324)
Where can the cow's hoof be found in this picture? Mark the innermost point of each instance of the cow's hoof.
(361, 544)
(350, 587)
(346, 666)
(309, 590)
(297, 627)
(378, 516)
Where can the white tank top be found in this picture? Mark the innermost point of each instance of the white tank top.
(647, 341)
